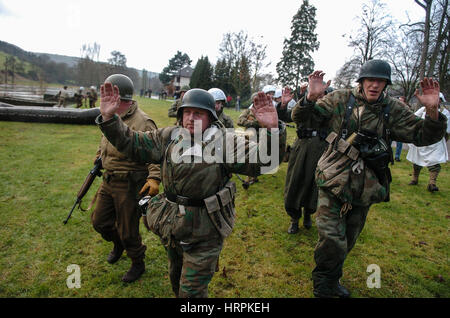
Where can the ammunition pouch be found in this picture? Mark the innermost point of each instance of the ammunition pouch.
(221, 210)
(334, 167)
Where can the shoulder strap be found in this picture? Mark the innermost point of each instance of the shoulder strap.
(348, 112)
(387, 131)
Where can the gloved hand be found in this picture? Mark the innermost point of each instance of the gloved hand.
(151, 188)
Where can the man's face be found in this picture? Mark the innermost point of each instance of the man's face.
(192, 115)
(373, 87)
(219, 105)
(270, 94)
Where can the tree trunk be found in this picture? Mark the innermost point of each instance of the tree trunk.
(426, 36)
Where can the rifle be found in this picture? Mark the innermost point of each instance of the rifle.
(95, 172)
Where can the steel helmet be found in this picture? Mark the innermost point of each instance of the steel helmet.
(185, 88)
(375, 69)
(81, 88)
(125, 85)
(269, 88)
(277, 93)
(198, 98)
(217, 93)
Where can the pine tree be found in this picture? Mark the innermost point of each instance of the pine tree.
(202, 74)
(296, 62)
(241, 78)
(176, 63)
(222, 77)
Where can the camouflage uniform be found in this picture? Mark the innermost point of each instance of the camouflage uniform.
(192, 232)
(116, 215)
(78, 96)
(300, 189)
(247, 119)
(225, 120)
(92, 96)
(341, 215)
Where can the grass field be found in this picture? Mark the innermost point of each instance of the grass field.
(43, 166)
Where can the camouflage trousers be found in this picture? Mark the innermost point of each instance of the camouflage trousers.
(191, 267)
(434, 168)
(338, 233)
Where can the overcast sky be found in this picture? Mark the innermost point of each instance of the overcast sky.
(149, 33)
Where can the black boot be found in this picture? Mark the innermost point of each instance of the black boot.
(116, 253)
(136, 271)
(307, 223)
(293, 228)
(331, 290)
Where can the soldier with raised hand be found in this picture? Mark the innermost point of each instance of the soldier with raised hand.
(117, 215)
(196, 211)
(353, 172)
(221, 99)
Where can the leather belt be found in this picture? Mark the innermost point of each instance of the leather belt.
(181, 200)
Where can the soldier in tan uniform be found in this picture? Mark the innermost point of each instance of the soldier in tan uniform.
(62, 97)
(196, 211)
(116, 215)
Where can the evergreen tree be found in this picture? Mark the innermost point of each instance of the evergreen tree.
(202, 74)
(176, 63)
(222, 77)
(296, 62)
(241, 78)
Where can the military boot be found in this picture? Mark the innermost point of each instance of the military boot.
(415, 178)
(136, 270)
(432, 183)
(116, 253)
(331, 290)
(293, 228)
(307, 223)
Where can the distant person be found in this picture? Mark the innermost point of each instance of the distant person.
(92, 96)
(62, 97)
(431, 156)
(399, 145)
(173, 110)
(238, 103)
(79, 97)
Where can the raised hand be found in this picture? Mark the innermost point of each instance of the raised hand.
(110, 100)
(286, 97)
(264, 111)
(429, 96)
(316, 86)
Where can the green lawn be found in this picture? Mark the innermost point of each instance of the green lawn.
(43, 166)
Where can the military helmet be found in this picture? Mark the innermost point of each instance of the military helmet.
(278, 93)
(198, 98)
(124, 83)
(375, 69)
(185, 88)
(217, 93)
(269, 88)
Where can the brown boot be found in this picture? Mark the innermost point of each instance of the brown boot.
(432, 183)
(116, 253)
(416, 173)
(136, 270)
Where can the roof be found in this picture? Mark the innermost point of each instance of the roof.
(185, 72)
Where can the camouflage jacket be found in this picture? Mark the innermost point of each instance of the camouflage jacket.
(115, 161)
(196, 180)
(226, 120)
(403, 125)
(174, 108)
(247, 119)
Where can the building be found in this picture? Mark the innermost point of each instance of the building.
(182, 77)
